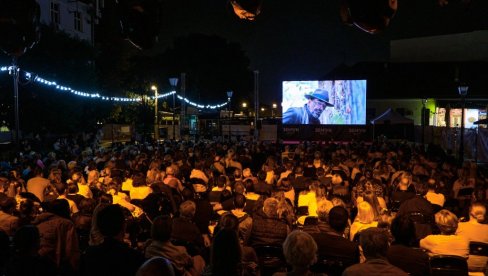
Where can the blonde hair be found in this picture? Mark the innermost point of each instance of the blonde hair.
(478, 211)
(365, 213)
(446, 221)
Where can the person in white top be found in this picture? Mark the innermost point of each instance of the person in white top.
(364, 219)
(38, 185)
(475, 231)
(447, 243)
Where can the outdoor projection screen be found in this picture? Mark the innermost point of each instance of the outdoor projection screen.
(344, 101)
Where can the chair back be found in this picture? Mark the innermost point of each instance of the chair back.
(447, 265)
(478, 249)
(270, 259)
(330, 266)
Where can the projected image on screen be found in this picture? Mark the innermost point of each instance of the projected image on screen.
(338, 102)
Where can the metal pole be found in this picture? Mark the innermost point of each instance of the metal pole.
(156, 121)
(174, 126)
(461, 146)
(256, 104)
(183, 121)
(423, 123)
(15, 76)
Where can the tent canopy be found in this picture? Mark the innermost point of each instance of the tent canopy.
(391, 117)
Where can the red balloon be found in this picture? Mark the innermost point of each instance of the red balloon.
(371, 16)
(19, 26)
(247, 9)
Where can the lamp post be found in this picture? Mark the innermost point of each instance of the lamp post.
(156, 121)
(424, 101)
(229, 97)
(273, 110)
(463, 91)
(174, 82)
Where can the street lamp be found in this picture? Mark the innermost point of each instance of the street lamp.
(173, 82)
(273, 110)
(463, 92)
(156, 121)
(229, 97)
(424, 120)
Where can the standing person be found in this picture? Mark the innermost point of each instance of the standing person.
(38, 184)
(311, 111)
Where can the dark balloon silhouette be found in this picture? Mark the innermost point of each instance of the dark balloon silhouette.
(140, 21)
(371, 16)
(19, 26)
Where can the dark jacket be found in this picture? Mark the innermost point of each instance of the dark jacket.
(268, 230)
(412, 260)
(112, 257)
(59, 241)
(374, 267)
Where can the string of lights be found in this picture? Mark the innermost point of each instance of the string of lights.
(36, 78)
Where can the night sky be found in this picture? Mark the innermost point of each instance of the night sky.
(293, 40)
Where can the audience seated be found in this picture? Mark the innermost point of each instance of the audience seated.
(403, 253)
(268, 228)
(300, 251)
(374, 243)
(475, 230)
(112, 256)
(447, 242)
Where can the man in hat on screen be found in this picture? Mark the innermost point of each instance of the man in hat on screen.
(311, 111)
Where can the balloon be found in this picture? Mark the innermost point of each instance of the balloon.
(140, 21)
(19, 26)
(247, 9)
(371, 16)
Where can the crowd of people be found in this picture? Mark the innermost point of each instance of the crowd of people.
(215, 208)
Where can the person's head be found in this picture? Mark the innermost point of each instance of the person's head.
(72, 188)
(338, 218)
(111, 221)
(225, 255)
(239, 201)
(477, 211)
(323, 208)
(374, 242)
(421, 188)
(239, 188)
(365, 213)
(403, 230)
(317, 102)
(188, 209)
(300, 249)
(59, 207)
(8, 204)
(138, 179)
(221, 181)
(270, 207)
(432, 184)
(60, 188)
(87, 206)
(156, 266)
(161, 228)
(446, 221)
(405, 179)
(229, 221)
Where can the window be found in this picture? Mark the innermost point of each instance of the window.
(55, 15)
(78, 22)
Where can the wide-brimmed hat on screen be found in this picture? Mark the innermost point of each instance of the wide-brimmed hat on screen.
(321, 95)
